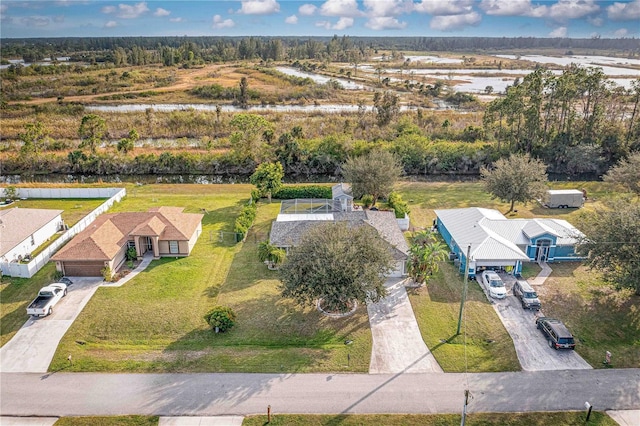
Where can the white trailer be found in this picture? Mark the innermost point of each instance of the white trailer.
(564, 198)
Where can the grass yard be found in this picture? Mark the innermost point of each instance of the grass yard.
(568, 418)
(154, 322)
(600, 317)
(17, 293)
(483, 343)
(108, 421)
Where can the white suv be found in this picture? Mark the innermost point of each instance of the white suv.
(494, 285)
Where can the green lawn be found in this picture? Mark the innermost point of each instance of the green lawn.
(108, 421)
(17, 293)
(568, 418)
(483, 343)
(600, 317)
(154, 322)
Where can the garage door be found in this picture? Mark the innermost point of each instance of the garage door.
(83, 269)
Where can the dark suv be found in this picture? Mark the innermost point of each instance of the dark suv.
(557, 334)
(527, 295)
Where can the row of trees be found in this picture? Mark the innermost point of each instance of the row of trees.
(577, 122)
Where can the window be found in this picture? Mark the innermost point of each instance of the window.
(173, 247)
(33, 241)
(131, 244)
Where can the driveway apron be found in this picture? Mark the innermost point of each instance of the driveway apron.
(531, 345)
(397, 343)
(32, 348)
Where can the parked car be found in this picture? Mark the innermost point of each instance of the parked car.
(66, 281)
(47, 298)
(494, 285)
(527, 295)
(556, 333)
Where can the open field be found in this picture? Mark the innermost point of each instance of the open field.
(154, 322)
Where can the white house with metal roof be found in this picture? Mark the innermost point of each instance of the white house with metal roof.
(496, 242)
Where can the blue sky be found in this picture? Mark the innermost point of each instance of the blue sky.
(494, 18)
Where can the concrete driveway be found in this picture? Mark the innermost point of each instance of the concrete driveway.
(32, 348)
(397, 343)
(531, 345)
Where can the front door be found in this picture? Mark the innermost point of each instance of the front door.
(542, 250)
(149, 244)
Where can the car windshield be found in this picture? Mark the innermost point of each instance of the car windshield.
(496, 283)
(530, 294)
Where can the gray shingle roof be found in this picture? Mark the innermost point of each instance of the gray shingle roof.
(289, 233)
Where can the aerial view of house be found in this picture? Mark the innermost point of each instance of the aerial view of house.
(162, 231)
(23, 230)
(298, 216)
(498, 242)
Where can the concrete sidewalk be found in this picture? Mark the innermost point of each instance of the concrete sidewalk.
(202, 421)
(34, 345)
(397, 343)
(542, 276)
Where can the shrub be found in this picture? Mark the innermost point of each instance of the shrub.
(245, 220)
(366, 200)
(289, 192)
(220, 318)
(107, 275)
(400, 206)
(131, 253)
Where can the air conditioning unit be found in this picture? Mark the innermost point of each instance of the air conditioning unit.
(452, 256)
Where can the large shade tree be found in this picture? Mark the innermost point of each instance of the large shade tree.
(518, 178)
(92, 130)
(268, 178)
(374, 173)
(626, 173)
(610, 242)
(338, 263)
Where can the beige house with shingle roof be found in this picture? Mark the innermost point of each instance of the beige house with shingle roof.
(22, 231)
(163, 231)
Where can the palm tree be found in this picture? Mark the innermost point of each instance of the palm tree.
(270, 254)
(424, 254)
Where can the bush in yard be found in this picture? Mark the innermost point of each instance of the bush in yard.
(366, 200)
(400, 206)
(290, 192)
(245, 219)
(131, 254)
(220, 318)
(107, 274)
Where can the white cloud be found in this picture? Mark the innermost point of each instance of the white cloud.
(455, 22)
(177, 20)
(512, 8)
(35, 21)
(161, 12)
(342, 24)
(127, 11)
(622, 32)
(111, 24)
(259, 7)
(58, 19)
(293, 19)
(624, 11)
(307, 9)
(444, 7)
(596, 22)
(559, 32)
(219, 23)
(385, 23)
(377, 8)
(3, 7)
(344, 8)
(572, 9)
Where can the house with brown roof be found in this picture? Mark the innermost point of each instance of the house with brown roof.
(162, 231)
(22, 231)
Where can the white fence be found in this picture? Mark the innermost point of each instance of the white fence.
(28, 270)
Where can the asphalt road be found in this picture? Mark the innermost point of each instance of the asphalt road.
(74, 394)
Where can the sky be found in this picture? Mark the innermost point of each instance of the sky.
(424, 18)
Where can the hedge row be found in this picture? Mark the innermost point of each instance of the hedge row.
(290, 192)
(400, 206)
(245, 220)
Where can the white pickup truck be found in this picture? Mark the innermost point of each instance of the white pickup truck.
(47, 297)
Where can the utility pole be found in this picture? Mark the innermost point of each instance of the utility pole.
(464, 409)
(464, 288)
